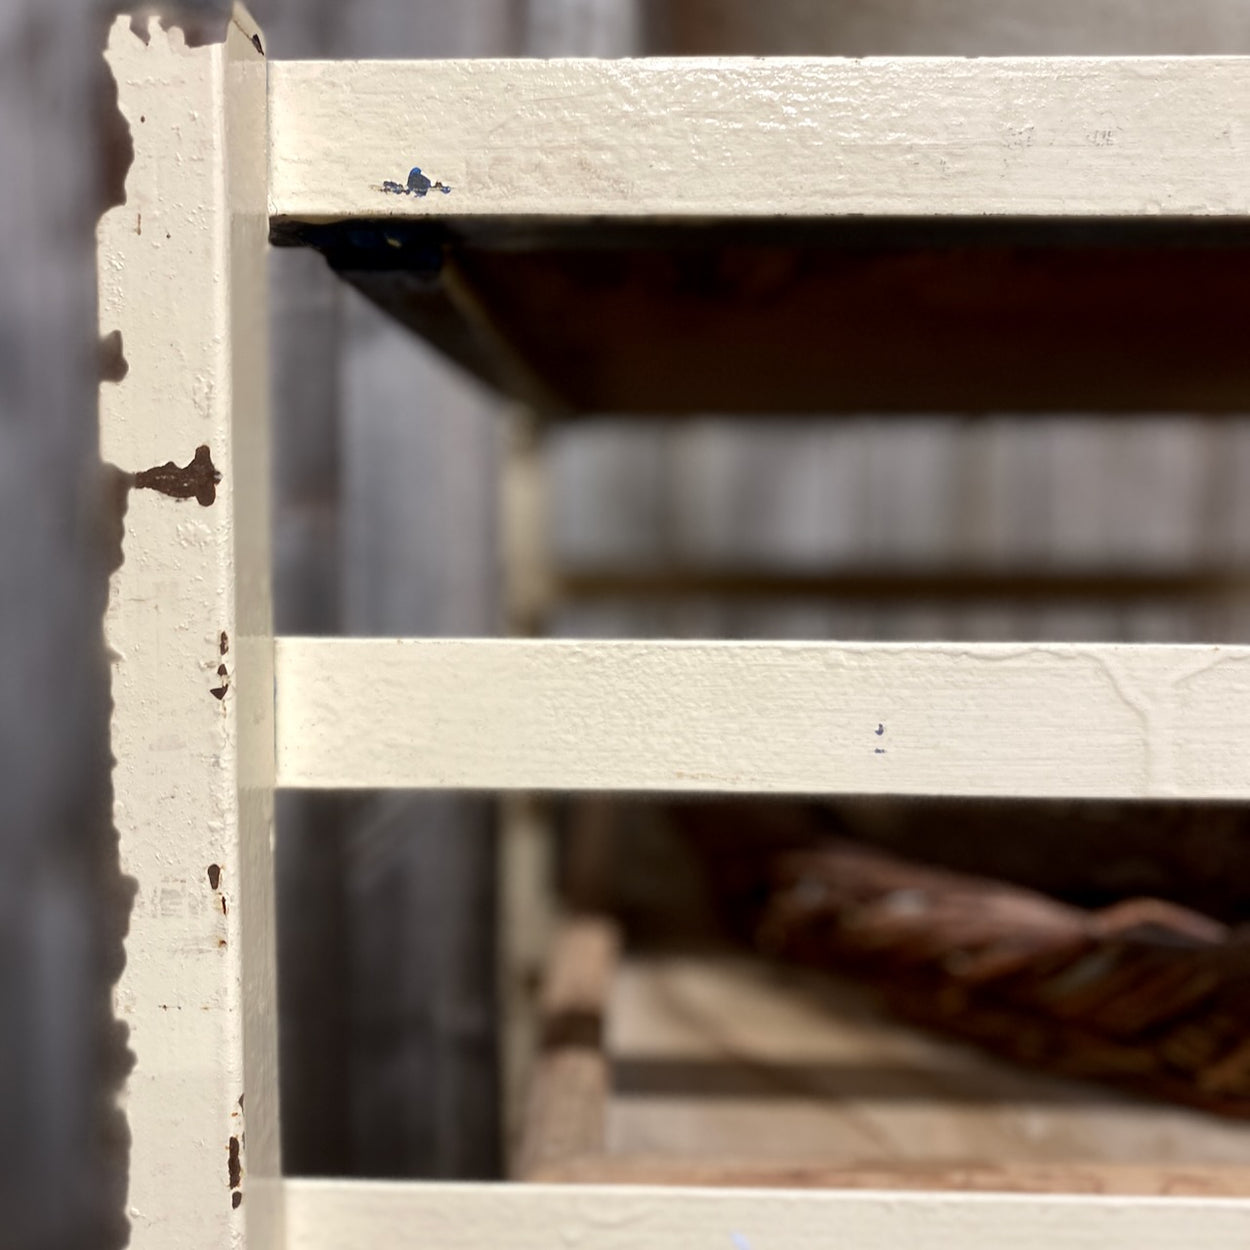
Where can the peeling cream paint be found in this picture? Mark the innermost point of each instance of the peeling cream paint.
(186, 424)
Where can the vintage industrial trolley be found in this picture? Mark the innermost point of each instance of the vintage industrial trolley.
(648, 236)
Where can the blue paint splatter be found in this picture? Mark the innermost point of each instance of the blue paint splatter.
(418, 184)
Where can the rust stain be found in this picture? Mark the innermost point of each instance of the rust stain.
(219, 692)
(234, 1164)
(236, 1200)
(197, 480)
(214, 875)
(224, 644)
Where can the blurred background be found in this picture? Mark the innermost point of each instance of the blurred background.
(387, 522)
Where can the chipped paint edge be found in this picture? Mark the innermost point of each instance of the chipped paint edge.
(182, 283)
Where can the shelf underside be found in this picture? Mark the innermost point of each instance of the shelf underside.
(819, 318)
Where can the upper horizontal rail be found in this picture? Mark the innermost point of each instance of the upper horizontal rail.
(1030, 720)
(730, 138)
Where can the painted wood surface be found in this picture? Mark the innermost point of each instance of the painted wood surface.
(909, 136)
(182, 275)
(799, 718)
(329, 1215)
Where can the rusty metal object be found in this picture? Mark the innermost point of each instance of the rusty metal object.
(1144, 993)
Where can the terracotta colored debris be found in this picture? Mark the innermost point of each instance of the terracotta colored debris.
(1145, 993)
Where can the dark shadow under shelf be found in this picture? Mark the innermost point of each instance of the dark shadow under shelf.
(820, 317)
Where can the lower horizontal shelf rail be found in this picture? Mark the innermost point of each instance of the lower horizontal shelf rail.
(1000, 719)
(362, 1215)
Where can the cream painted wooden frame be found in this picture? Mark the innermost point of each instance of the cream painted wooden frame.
(199, 749)
(185, 432)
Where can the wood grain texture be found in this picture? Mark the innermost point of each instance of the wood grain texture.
(182, 275)
(338, 1215)
(566, 1112)
(992, 719)
(732, 138)
(719, 1070)
(725, 1063)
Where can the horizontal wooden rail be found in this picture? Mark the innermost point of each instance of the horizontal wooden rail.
(362, 1215)
(912, 136)
(1033, 720)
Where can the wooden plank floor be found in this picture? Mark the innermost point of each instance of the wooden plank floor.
(724, 1069)
(730, 1055)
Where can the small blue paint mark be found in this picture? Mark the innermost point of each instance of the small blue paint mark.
(880, 729)
(879, 751)
(418, 184)
(740, 1242)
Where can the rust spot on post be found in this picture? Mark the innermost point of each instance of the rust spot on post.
(223, 673)
(197, 480)
(214, 875)
(234, 1164)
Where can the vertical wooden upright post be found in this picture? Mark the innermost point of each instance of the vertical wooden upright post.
(182, 268)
